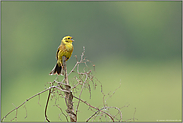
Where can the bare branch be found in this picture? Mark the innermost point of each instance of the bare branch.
(95, 114)
(25, 111)
(68, 95)
(47, 105)
(94, 107)
(15, 114)
(81, 92)
(83, 80)
(77, 63)
(30, 99)
(62, 112)
(24, 103)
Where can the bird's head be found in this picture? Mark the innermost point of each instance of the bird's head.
(67, 40)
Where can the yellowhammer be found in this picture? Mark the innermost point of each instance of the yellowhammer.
(65, 49)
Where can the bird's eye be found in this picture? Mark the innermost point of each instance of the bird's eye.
(68, 38)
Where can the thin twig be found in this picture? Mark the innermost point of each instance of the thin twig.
(95, 108)
(47, 105)
(15, 114)
(62, 112)
(24, 103)
(25, 111)
(77, 63)
(119, 112)
(81, 93)
(30, 99)
(113, 92)
(95, 114)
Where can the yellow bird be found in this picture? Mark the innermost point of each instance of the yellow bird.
(65, 49)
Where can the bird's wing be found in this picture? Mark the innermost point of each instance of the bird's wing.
(57, 52)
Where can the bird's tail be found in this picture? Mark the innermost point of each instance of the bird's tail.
(57, 70)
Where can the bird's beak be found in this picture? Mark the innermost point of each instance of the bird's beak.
(72, 40)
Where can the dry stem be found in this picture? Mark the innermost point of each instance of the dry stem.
(68, 95)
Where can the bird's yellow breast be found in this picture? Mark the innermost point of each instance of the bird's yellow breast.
(69, 47)
(64, 50)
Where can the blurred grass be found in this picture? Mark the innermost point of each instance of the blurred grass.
(137, 44)
(153, 88)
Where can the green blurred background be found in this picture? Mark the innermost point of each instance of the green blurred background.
(137, 44)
